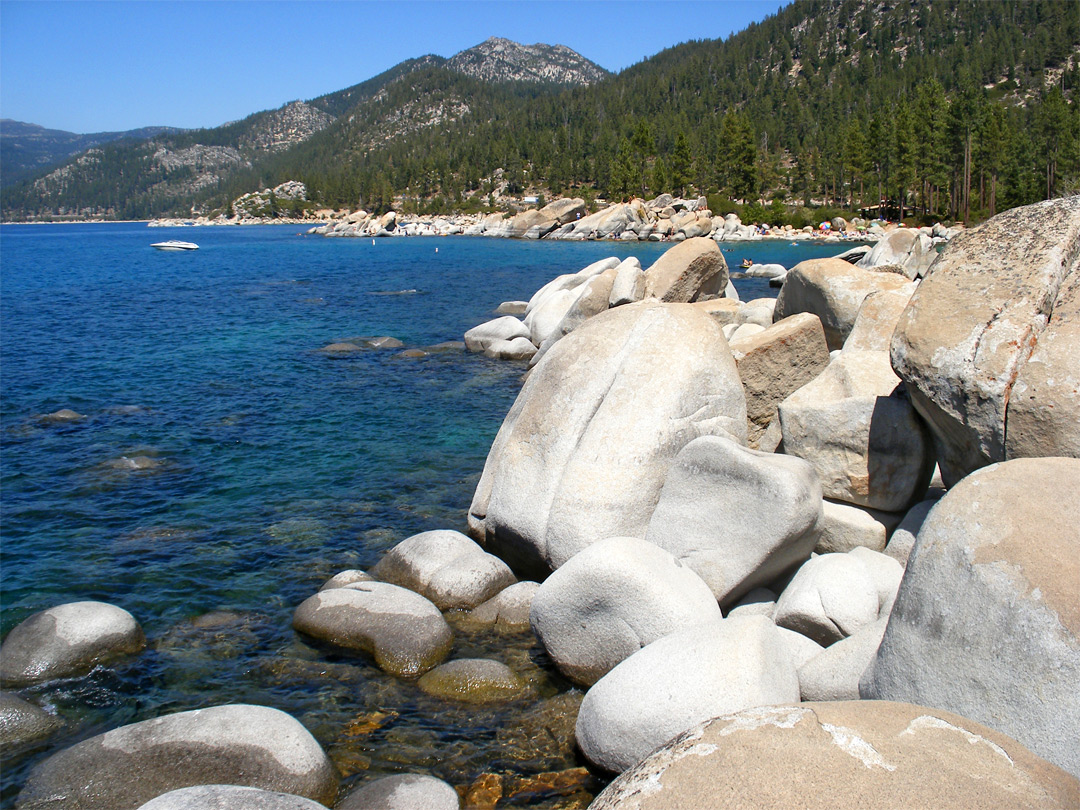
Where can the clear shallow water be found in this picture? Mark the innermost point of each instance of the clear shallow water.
(274, 467)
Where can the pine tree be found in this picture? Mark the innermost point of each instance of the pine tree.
(681, 164)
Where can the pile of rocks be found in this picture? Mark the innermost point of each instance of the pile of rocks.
(733, 545)
(622, 479)
(662, 219)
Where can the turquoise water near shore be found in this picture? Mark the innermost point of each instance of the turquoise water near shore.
(272, 465)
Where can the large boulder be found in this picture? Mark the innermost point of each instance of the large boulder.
(738, 517)
(844, 527)
(610, 600)
(833, 290)
(990, 339)
(403, 791)
(252, 746)
(775, 363)
(682, 680)
(688, 271)
(403, 631)
(841, 756)
(629, 284)
(830, 598)
(582, 455)
(562, 211)
(987, 619)
(229, 797)
(507, 327)
(507, 611)
(904, 247)
(876, 320)
(66, 640)
(446, 567)
(856, 426)
(592, 299)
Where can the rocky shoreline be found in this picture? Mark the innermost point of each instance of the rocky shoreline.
(814, 551)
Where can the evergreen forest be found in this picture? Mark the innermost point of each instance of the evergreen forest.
(943, 110)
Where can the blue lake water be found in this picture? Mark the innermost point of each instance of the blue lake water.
(273, 465)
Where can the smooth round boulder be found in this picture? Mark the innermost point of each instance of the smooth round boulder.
(473, 680)
(61, 416)
(829, 598)
(520, 348)
(582, 456)
(507, 611)
(404, 632)
(238, 744)
(406, 791)
(610, 600)
(505, 328)
(67, 640)
(848, 755)
(343, 578)
(679, 681)
(987, 618)
(446, 567)
(22, 722)
(737, 517)
(229, 797)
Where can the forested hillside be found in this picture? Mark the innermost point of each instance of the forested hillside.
(950, 109)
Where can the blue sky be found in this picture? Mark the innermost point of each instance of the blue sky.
(92, 66)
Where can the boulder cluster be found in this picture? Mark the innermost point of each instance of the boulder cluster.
(662, 219)
(732, 538)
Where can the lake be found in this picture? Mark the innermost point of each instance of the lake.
(225, 468)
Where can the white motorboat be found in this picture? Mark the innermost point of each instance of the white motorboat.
(175, 244)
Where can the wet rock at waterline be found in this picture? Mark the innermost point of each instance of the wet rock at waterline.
(507, 611)
(344, 578)
(473, 680)
(987, 618)
(446, 567)
(66, 640)
(229, 797)
(22, 722)
(62, 416)
(844, 755)
(253, 746)
(581, 455)
(737, 517)
(406, 791)
(506, 328)
(679, 681)
(404, 632)
(610, 600)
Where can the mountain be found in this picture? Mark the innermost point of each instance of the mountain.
(168, 173)
(954, 108)
(501, 60)
(27, 148)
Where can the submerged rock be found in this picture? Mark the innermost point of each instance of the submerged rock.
(405, 791)
(21, 722)
(473, 680)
